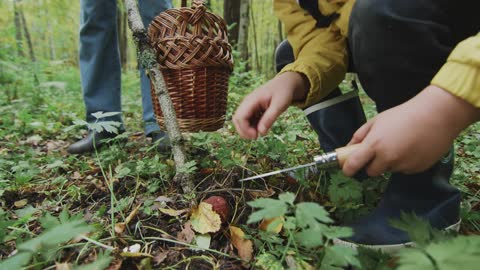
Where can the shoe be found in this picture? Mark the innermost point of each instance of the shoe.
(162, 140)
(92, 141)
(428, 195)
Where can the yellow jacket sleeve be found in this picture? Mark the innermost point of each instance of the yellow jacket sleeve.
(461, 73)
(320, 53)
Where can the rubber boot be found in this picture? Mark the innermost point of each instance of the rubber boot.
(428, 195)
(336, 118)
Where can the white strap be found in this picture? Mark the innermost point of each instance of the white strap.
(330, 102)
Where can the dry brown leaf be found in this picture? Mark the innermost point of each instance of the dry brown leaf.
(132, 214)
(163, 199)
(244, 246)
(279, 221)
(76, 176)
(21, 203)
(204, 219)
(62, 266)
(187, 234)
(172, 212)
(262, 193)
(120, 227)
(160, 257)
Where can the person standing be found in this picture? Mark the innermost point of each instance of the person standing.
(100, 70)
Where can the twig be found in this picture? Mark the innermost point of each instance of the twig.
(147, 60)
(97, 243)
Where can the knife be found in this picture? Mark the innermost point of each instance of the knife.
(334, 159)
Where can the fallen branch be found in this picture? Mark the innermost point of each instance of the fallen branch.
(147, 60)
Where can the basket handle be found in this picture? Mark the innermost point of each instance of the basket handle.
(195, 3)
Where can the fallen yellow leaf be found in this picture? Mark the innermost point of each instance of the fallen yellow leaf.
(204, 219)
(21, 203)
(172, 212)
(120, 227)
(244, 246)
(274, 225)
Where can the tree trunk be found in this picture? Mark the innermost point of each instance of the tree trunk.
(27, 35)
(51, 43)
(18, 29)
(147, 60)
(255, 40)
(280, 31)
(122, 33)
(231, 14)
(243, 30)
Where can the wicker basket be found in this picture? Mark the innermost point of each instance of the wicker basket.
(196, 61)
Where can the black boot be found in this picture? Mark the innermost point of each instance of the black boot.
(161, 139)
(336, 119)
(92, 141)
(428, 195)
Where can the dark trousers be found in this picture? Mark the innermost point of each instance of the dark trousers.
(397, 46)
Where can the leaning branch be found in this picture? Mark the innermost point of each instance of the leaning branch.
(147, 60)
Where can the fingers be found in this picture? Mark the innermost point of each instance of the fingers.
(361, 133)
(358, 160)
(268, 118)
(244, 117)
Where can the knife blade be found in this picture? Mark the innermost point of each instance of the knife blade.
(328, 160)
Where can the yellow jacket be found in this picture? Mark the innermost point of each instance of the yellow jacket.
(321, 53)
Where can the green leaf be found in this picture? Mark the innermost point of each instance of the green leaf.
(311, 237)
(337, 257)
(333, 232)
(418, 229)
(270, 208)
(343, 189)
(460, 253)
(17, 261)
(310, 214)
(101, 262)
(287, 197)
(99, 115)
(373, 259)
(267, 261)
(4, 224)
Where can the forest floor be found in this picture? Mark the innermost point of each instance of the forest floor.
(137, 218)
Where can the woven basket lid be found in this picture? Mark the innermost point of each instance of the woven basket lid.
(188, 38)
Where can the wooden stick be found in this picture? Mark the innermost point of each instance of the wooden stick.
(147, 60)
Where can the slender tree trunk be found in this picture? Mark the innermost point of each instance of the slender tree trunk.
(255, 40)
(51, 43)
(280, 31)
(18, 29)
(147, 60)
(27, 36)
(231, 14)
(243, 30)
(122, 33)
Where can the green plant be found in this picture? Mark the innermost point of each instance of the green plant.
(307, 229)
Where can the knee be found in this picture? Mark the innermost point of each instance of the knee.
(283, 55)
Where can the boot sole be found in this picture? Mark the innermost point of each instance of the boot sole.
(390, 249)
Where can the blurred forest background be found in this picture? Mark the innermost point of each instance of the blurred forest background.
(48, 30)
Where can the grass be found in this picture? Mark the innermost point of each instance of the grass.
(38, 178)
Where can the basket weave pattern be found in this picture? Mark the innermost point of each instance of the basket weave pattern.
(196, 61)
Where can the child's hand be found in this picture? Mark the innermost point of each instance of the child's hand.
(261, 108)
(411, 137)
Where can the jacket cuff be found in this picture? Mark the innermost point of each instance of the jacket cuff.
(462, 80)
(313, 95)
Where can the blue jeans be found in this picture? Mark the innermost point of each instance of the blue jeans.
(100, 67)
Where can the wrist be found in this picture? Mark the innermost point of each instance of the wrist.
(456, 113)
(299, 84)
